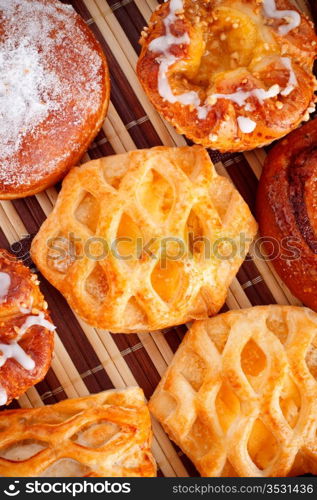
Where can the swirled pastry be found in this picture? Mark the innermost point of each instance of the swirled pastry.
(102, 435)
(286, 208)
(240, 396)
(54, 93)
(26, 331)
(145, 240)
(231, 75)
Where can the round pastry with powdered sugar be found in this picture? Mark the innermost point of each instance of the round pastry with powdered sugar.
(26, 330)
(230, 74)
(54, 93)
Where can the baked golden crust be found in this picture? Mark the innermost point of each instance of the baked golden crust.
(286, 208)
(57, 93)
(101, 435)
(145, 240)
(240, 395)
(221, 47)
(24, 322)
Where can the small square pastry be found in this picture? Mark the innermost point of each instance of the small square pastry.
(145, 240)
(101, 435)
(240, 396)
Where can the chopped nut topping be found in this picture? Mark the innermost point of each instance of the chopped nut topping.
(213, 137)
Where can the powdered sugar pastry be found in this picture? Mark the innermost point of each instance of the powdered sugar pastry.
(31, 87)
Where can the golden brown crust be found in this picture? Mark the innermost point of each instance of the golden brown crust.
(51, 147)
(101, 435)
(177, 216)
(240, 395)
(23, 300)
(222, 59)
(286, 205)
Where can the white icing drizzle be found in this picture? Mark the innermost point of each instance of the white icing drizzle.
(164, 43)
(35, 320)
(292, 81)
(3, 396)
(246, 125)
(15, 351)
(5, 282)
(241, 96)
(292, 17)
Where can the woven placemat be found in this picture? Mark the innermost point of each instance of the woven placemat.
(88, 360)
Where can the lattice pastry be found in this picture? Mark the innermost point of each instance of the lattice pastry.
(230, 74)
(26, 331)
(240, 396)
(102, 435)
(145, 240)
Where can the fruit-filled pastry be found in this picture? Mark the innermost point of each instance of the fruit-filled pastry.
(232, 75)
(26, 330)
(146, 239)
(101, 435)
(240, 396)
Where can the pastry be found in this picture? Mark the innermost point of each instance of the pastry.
(145, 240)
(101, 435)
(54, 93)
(286, 208)
(26, 330)
(230, 75)
(240, 396)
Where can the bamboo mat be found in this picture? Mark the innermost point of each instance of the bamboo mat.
(88, 360)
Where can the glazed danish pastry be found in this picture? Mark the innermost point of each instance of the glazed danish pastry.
(54, 93)
(26, 331)
(286, 208)
(145, 240)
(230, 75)
(102, 435)
(240, 396)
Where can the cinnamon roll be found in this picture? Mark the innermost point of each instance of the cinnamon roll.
(286, 208)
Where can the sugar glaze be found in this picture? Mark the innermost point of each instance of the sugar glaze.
(164, 43)
(291, 17)
(5, 282)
